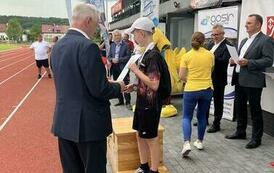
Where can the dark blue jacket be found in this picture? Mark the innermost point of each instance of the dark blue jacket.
(124, 54)
(82, 111)
(221, 54)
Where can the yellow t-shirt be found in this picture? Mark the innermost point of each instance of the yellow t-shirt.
(199, 64)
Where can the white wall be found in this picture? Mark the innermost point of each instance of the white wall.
(264, 8)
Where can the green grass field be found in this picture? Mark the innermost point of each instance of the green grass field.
(4, 47)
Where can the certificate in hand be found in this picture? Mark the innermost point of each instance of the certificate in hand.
(233, 53)
(123, 74)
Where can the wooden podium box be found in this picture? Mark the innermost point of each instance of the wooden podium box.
(123, 149)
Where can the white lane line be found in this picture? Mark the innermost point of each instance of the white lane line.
(20, 104)
(6, 59)
(8, 52)
(3, 56)
(13, 63)
(16, 74)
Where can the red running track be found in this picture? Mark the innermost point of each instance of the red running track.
(26, 144)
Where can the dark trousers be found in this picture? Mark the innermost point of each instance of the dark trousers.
(235, 100)
(85, 157)
(253, 96)
(218, 95)
(116, 72)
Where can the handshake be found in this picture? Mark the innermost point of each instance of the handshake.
(124, 88)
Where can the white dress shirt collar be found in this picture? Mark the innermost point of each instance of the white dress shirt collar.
(216, 46)
(254, 35)
(79, 30)
(219, 42)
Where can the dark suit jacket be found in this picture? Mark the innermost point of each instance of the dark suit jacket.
(219, 74)
(124, 54)
(82, 111)
(259, 56)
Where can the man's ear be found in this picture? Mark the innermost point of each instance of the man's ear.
(88, 20)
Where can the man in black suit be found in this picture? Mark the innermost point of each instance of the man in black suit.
(119, 55)
(82, 118)
(256, 54)
(219, 74)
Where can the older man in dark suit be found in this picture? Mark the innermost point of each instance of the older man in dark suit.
(219, 74)
(82, 118)
(256, 54)
(118, 56)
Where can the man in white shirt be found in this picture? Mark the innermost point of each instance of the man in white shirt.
(41, 49)
(256, 54)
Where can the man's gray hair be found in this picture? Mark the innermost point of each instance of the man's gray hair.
(219, 26)
(117, 31)
(81, 11)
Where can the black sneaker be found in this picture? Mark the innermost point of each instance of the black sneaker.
(39, 76)
(213, 129)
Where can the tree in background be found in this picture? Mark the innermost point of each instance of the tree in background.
(34, 31)
(14, 30)
(27, 22)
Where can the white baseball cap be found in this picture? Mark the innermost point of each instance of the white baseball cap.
(142, 23)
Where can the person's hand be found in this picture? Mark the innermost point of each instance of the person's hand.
(133, 67)
(115, 60)
(122, 85)
(129, 88)
(231, 61)
(110, 80)
(243, 62)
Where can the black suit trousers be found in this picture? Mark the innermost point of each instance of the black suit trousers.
(85, 157)
(253, 96)
(116, 72)
(218, 95)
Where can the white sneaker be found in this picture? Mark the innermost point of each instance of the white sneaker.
(186, 149)
(198, 144)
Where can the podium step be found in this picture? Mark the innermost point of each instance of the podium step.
(162, 169)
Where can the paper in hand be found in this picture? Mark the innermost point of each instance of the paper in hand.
(124, 72)
(234, 55)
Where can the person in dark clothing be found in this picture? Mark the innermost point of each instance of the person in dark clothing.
(119, 55)
(255, 55)
(148, 103)
(82, 118)
(219, 74)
